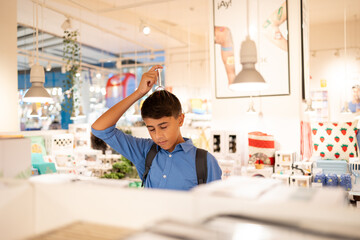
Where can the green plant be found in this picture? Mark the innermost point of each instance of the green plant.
(121, 169)
(71, 55)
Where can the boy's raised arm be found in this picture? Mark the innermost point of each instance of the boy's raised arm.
(111, 116)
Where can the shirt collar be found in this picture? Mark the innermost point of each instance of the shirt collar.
(186, 146)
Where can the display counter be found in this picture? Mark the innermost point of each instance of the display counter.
(44, 203)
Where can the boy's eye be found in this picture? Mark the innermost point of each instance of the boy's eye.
(163, 127)
(152, 129)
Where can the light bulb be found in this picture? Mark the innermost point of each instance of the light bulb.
(48, 67)
(146, 30)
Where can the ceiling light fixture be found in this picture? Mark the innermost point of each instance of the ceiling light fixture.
(145, 28)
(98, 75)
(251, 109)
(37, 92)
(66, 24)
(48, 67)
(43, 113)
(63, 69)
(249, 79)
(309, 108)
(33, 113)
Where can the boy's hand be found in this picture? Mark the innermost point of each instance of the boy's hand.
(148, 79)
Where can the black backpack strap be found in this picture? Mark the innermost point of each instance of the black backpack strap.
(201, 165)
(148, 161)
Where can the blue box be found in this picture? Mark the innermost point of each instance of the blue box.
(332, 166)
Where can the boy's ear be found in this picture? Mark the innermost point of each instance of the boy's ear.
(181, 119)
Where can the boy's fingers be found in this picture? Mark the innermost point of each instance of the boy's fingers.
(155, 67)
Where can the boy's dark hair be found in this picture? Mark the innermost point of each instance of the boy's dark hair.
(97, 143)
(161, 104)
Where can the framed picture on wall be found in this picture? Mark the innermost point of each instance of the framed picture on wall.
(305, 49)
(266, 23)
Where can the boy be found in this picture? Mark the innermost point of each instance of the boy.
(174, 164)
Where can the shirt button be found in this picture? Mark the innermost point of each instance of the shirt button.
(164, 176)
(170, 155)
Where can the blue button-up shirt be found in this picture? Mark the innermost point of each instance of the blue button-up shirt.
(169, 170)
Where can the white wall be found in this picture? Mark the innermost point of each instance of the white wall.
(9, 120)
(281, 114)
(187, 72)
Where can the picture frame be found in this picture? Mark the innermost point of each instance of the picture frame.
(305, 49)
(268, 28)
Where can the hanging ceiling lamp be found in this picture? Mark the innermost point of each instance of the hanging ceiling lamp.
(81, 113)
(249, 79)
(34, 112)
(251, 109)
(37, 92)
(309, 108)
(145, 28)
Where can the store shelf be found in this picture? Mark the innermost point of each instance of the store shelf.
(319, 99)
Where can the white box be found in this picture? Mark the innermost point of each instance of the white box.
(15, 157)
(82, 133)
(285, 178)
(60, 143)
(284, 161)
(300, 181)
(227, 168)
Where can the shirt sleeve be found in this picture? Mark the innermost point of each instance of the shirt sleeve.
(214, 170)
(133, 148)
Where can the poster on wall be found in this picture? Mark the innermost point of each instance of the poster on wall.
(266, 24)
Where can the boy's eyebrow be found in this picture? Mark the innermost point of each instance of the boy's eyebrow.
(160, 124)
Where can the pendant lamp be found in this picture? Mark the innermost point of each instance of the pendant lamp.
(249, 79)
(309, 108)
(34, 112)
(37, 92)
(251, 109)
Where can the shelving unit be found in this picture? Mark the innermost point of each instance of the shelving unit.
(320, 104)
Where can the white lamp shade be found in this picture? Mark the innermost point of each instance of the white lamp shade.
(37, 92)
(248, 79)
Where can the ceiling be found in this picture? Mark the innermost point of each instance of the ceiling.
(110, 29)
(333, 11)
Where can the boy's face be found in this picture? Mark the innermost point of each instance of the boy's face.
(165, 131)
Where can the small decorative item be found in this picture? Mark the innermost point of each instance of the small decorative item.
(320, 178)
(332, 180)
(258, 159)
(345, 181)
(261, 143)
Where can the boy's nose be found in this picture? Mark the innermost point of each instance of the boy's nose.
(159, 136)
